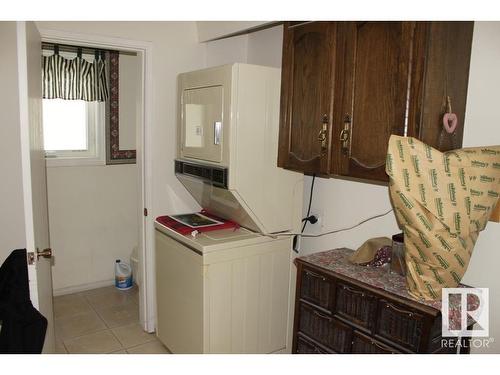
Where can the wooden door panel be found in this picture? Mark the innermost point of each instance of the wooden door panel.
(306, 97)
(306, 103)
(448, 50)
(376, 68)
(35, 189)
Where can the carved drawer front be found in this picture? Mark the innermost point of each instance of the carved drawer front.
(355, 305)
(400, 325)
(315, 288)
(325, 329)
(362, 344)
(305, 346)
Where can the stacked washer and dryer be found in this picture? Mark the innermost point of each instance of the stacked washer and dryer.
(229, 290)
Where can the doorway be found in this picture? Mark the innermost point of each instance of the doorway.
(144, 224)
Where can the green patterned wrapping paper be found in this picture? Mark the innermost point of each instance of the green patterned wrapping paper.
(441, 201)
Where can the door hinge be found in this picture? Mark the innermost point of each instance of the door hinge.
(145, 212)
(31, 258)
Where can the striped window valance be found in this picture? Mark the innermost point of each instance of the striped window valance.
(74, 79)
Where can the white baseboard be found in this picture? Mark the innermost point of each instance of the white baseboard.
(82, 287)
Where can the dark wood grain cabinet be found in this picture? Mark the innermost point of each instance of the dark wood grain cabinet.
(337, 314)
(347, 86)
(306, 96)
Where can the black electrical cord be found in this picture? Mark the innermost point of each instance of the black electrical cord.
(306, 219)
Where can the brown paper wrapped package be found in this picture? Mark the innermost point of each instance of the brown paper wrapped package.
(441, 201)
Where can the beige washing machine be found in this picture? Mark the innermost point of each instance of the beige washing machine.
(225, 291)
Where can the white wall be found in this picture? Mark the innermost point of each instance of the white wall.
(208, 30)
(342, 203)
(12, 229)
(261, 48)
(265, 46)
(226, 51)
(482, 128)
(93, 221)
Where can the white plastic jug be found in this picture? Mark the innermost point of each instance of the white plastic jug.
(123, 275)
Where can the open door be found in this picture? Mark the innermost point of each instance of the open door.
(34, 175)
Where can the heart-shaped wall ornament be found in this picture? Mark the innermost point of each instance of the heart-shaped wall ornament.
(450, 121)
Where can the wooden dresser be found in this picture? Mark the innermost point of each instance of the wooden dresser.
(345, 308)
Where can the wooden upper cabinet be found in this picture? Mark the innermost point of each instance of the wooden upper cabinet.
(360, 82)
(373, 82)
(440, 69)
(306, 97)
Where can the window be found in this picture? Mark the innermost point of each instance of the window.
(73, 132)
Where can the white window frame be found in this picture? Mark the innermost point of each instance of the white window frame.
(94, 155)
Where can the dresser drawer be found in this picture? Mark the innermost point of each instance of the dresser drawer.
(400, 324)
(307, 346)
(325, 329)
(315, 288)
(362, 344)
(355, 305)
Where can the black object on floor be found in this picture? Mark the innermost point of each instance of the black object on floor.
(23, 327)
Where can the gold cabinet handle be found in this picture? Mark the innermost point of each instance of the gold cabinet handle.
(345, 134)
(323, 133)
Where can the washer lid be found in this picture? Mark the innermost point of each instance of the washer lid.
(226, 204)
(205, 242)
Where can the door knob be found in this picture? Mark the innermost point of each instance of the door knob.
(46, 253)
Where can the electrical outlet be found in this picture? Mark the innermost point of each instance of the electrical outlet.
(317, 227)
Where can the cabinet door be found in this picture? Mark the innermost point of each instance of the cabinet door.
(306, 97)
(373, 79)
(441, 69)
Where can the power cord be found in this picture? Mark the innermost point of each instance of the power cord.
(348, 228)
(311, 219)
(308, 219)
(276, 235)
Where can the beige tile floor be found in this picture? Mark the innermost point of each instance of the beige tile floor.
(104, 320)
